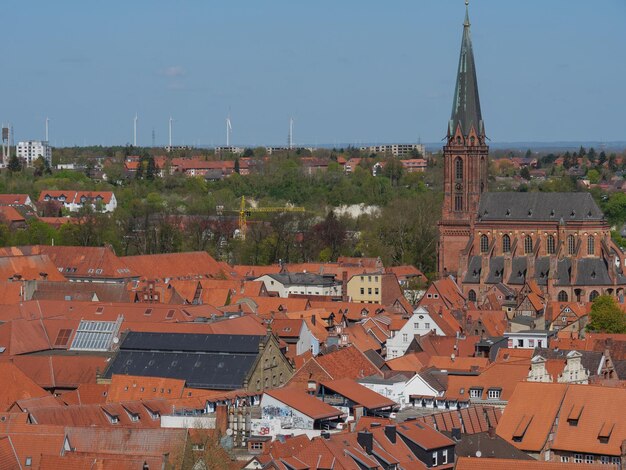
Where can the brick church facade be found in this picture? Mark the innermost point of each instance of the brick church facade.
(560, 240)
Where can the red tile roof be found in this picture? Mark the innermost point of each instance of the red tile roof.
(358, 393)
(189, 265)
(304, 403)
(129, 388)
(14, 199)
(28, 268)
(530, 421)
(16, 386)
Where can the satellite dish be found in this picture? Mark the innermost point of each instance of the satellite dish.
(229, 432)
(116, 340)
(479, 454)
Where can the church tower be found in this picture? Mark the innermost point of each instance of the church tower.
(465, 162)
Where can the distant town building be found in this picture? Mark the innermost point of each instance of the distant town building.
(31, 150)
(103, 201)
(229, 149)
(397, 150)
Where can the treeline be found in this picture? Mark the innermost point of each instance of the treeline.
(179, 213)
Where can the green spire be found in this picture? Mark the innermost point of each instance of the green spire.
(466, 105)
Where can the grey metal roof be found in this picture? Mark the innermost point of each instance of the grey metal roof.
(518, 270)
(304, 279)
(473, 270)
(592, 271)
(191, 342)
(466, 104)
(563, 272)
(535, 206)
(208, 370)
(496, 270)
(542, 270)
(435, 378)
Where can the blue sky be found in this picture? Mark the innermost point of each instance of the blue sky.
(348, 71)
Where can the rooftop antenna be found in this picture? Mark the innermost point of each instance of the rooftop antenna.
(290, 138)
(135, 130)
(170, 122)
(229, 130)
(153, 138)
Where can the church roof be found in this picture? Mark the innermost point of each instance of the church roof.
(466, 105)
(538, 207)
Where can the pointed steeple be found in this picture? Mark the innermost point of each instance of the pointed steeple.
(466, 105)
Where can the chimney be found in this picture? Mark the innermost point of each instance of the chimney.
(390, 432)
(366, 441)
(221, 418)
(491, 432)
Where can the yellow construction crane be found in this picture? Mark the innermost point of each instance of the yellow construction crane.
(245, 212)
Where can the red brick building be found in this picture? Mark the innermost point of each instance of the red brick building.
(560, 240)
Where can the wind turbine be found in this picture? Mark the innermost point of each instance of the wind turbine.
(290, 139)
(229, 130)
(170, 122)
(135, 130)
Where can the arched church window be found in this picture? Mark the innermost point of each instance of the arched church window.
(593, 295)
(528, 244)
(550, 245)
(458, 168)
(506, 244)
(562, 297)
(571, 244)
(484, 243)
(472, 140)
(471, 295)
(591, 245)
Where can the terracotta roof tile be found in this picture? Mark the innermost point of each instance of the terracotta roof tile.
(16, 386)
(28, 268)
(530, 421)
(129, 388)
(358, 393)
(190, 265)
(304, 403)
(503, 376)
(600, 409)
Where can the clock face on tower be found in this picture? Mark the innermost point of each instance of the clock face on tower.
(458, 186)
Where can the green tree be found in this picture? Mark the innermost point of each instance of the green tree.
(14, 164)
(594, 176)
(525, 173)
(606, 316)
(393, 170)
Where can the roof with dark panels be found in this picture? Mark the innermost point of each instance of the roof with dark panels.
(538, 207)
(192, 342)
(211, 371)
(304, 279)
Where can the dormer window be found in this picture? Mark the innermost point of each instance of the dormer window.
(508, 212)
(552, 213)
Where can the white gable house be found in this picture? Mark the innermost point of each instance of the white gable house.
(420, 324)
